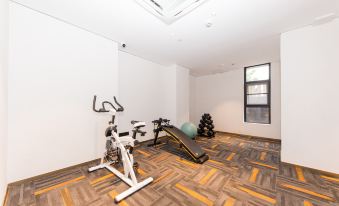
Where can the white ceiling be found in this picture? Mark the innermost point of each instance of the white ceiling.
(244, 32)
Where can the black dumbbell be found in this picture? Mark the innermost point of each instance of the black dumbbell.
(210, 133)
(210, 126)
(202, 121)
(208, 121)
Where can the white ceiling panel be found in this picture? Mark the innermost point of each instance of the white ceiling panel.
(218, 35)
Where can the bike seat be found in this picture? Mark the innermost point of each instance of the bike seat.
(138, 124)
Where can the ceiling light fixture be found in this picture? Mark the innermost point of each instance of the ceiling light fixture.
(170, 11)
(208, 24)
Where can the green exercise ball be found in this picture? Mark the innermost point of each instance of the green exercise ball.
(189, 129)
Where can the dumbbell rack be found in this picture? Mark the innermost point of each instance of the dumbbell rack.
(206, 126)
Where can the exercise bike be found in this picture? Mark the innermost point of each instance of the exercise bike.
(119, 149)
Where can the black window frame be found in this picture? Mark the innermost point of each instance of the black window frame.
(268, 82)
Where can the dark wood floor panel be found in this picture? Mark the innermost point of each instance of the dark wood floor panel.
(240, 172)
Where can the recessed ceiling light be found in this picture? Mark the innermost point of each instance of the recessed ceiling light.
(209, 21)
(170, 11)
(208, 24)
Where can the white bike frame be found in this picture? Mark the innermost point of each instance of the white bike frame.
(128, 176)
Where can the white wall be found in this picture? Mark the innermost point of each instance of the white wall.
(148, 91)
(310, 98)
(193, 116)
(54, 70)
(168, 87)
(3, 94)
(222, 95)
(182, 95)
(141, 92)
(177, 86)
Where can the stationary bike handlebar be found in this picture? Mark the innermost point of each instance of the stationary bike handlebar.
(103, 108)
(160, 121)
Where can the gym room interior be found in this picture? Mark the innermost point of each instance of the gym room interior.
(169, 102)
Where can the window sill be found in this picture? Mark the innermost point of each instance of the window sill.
(257, 123)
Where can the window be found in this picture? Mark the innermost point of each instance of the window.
(257, 102)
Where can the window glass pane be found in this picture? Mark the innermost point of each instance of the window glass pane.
(257, 88)
(257, 99)
(257, 115)
(258, 73)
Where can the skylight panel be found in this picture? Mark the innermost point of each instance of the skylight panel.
(170, 10)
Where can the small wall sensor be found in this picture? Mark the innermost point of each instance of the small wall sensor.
(123, 44)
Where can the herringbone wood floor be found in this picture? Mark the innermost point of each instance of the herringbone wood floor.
(240, 172)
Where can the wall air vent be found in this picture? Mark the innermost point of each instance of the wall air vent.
(170, 10)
